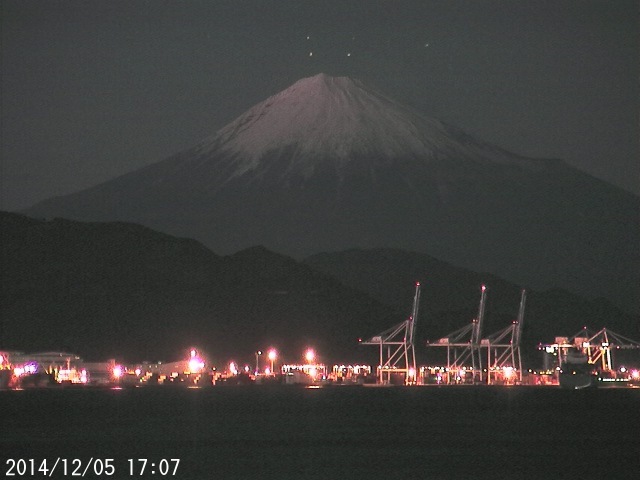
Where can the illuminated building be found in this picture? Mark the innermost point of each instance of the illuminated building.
(351, 373)
(304, 374)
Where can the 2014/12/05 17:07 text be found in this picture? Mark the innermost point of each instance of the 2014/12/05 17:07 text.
(91, 468)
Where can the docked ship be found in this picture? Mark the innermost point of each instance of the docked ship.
(576, 372)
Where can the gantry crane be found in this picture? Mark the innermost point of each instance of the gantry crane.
(507, 354)
(465, 344)
(400, 348)
(597, 346)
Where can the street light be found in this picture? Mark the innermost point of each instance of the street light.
(258, 353)
(272, 356)
(196, 364)
(310, 355)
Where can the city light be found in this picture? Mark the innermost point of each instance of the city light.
(30, 368)
(195, 365)
(310, 355)
(272, 355)
(117, 371)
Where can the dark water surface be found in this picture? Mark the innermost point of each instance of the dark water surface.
(261, 432)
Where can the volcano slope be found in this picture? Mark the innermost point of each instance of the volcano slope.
(330, 163)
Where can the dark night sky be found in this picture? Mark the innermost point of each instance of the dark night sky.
(93, 89)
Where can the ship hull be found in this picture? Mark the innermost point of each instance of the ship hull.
(577, 380)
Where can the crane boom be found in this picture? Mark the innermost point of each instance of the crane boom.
(517, 332)
(414, 313)
(476, 334)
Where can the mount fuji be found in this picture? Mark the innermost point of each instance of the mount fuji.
(330, 164)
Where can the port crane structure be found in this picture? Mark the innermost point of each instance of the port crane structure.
(397, 346)
(506, 345)
(465, 344)
(596, 346)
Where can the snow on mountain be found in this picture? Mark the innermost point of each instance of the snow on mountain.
(336, 119)
(330, 164)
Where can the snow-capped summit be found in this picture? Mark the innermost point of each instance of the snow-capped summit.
(330, 116)
(330, 164)
(336, 119)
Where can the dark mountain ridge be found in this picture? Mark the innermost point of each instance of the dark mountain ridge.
(119, 290)
(330, 164)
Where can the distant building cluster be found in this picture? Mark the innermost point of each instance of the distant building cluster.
(583, 360)
(570, 361)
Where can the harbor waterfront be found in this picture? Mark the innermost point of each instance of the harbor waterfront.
(584, 360)
(571, 362)
(354, 432)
